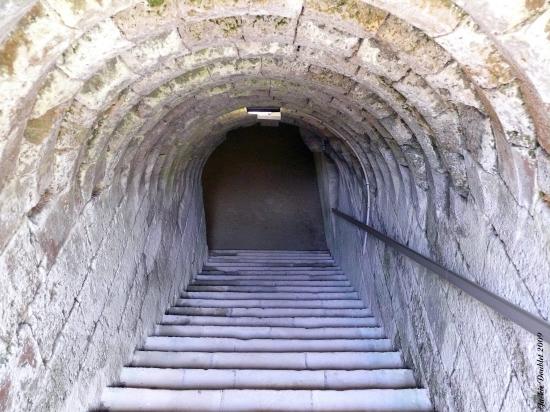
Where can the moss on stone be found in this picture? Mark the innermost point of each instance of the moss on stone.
(38, 129)
(78, 5)
(155, 3)
(18, 39)
(499, 70)
(281, 22)
(229, 25)
(370, 18)
(534, 5)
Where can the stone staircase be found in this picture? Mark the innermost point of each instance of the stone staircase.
(267, 331)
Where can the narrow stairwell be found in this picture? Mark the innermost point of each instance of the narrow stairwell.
(267, 331)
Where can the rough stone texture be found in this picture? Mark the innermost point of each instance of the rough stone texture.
(432, 113)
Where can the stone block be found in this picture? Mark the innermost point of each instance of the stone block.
(82, 14)
(269, 29)
(98, 92)
(213, 9)
(158, 18)
(352, 16)
(259, 49)
(312, 34)
(101, 43)
(221, 31)
(477, 55)
(327, 60)
(509, 106)
(451, 84)
(412, 46)
(146, 56)
(380, 61)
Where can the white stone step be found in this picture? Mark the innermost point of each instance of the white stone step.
(276, 283)
(270, 295)
(274, 263)
(304, 322)
(269, 312)
(269, 252)
(265, 379)
(272, 260)
(272, 278)
(282, 264)
(141, 399)
(273, 257)
(205, 344)
(264, 332)
(255, 270)
(271, 303)
(269, 360)
(271, 289)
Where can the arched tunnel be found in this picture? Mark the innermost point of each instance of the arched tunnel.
(426, 119)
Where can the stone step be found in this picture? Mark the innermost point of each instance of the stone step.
(273, 261)
(263, 332)
(271, 289)
(263, 282)
(269, 312)
(315, 263)
(304, 322)
(265, 400)
(272, 278)
(267, 252)
(272, 257)
(271, 303)
(206, 344)
(257, 270)
(269, 295)
(269, 360)
(298, 263)
(265, 379)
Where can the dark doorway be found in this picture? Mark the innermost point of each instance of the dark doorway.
(260, 192)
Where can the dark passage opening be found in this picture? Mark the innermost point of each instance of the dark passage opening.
(260, 192)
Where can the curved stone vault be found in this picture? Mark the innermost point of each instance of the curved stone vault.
(432, 117)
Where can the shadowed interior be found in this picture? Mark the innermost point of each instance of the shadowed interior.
(260, 192)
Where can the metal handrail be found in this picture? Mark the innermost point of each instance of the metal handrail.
(521, 317)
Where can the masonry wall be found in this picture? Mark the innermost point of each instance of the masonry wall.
(83, 284)
(110, 108)
(470, 358)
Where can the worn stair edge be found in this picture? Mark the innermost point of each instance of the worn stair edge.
(205, 344)
(228, 276)
(269, 360)
(266, 400)
(265, 379)
(269, 332)
(271, 289)
(240, 282)
(305, 322)
(271, 303)
(268, 312)
(269, 295)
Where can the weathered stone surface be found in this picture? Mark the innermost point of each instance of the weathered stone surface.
(109, 107)
(147, 55)
(101, 43)
(352, 16)
(325, 38)
(159, 17)
(205, 33)
(478, 56)
(379, 61)
(415, 48)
